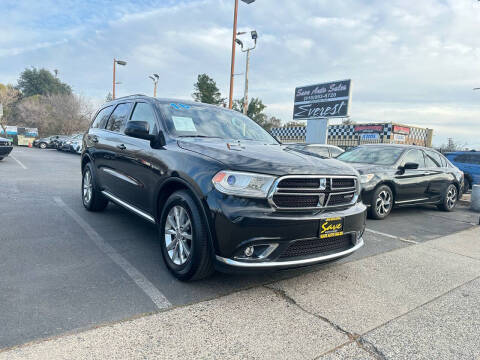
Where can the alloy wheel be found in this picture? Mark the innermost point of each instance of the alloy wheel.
(451, 196)
(87, 187)
(383, 203)
(178, 235)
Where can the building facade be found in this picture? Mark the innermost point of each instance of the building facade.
(346, 136)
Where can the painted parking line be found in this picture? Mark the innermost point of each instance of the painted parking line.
(143, 283)
(391, 236)
(19, 162)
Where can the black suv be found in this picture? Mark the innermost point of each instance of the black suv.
(222, 192)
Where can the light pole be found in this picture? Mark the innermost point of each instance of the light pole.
(245, 95)
(234, 37)
(154, 78)
(119, 62)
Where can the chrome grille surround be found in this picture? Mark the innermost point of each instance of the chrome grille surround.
(324, 191)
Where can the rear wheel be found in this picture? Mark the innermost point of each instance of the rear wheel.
(382, 202)
(184, 238)
(92, 198)
(449, 198)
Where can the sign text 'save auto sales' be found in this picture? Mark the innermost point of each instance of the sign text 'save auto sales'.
(322, 100)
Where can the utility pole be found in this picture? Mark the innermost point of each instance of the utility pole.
(247, 64)
(234, 38)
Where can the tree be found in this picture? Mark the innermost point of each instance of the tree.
(206, 91)
(255, 112)
(55, 113)
(348, 121)
(295, 123)
(109, 97)
(41, 82)
(8, 98)
(452, 145)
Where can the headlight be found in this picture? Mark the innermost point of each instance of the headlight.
(243, 184)
(366, 178)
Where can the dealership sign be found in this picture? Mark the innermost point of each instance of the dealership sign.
(399, 137)
(401, 129)
(368, 128)
(325, 100)
(370, 136)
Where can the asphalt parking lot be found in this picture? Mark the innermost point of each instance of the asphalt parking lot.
(63, 268)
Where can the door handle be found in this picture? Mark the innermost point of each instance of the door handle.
(121, 147)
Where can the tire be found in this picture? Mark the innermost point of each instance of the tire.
(449, 199)
(1, 158)
(187, 259)
(92, 198)
(42, 145)
(466, 185)
(382, 203)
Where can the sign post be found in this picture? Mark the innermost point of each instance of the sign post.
(317, 103)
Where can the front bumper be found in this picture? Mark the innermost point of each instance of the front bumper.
(5, 150)
(238, 223)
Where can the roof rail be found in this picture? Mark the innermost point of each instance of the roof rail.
(129, 96)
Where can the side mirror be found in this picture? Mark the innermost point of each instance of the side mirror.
(409, 166)
(139, 129)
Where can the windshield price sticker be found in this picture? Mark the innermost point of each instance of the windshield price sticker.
(331, 227)
(183, 123)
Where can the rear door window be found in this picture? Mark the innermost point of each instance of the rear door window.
(118, 119)
(432, 159)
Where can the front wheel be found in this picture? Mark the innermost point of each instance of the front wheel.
(42, 145)
(184, 238)
(449, 199)
(92, 198)
(382, 203)
(466, 186)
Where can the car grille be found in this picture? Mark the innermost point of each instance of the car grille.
(313, 192)
(318, 246)
(4, 143)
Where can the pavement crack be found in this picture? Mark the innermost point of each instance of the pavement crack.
(370, 348)
(353, 337)
(281, 293)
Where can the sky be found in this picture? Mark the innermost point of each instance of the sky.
(411, 62)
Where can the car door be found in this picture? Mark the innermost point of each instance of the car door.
(439, 178)
(411, 184)
(137, 163)
(110, 146)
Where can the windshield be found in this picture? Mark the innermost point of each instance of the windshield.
(192, 120)
(372, 155)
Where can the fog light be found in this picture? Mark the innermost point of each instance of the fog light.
(248, 251)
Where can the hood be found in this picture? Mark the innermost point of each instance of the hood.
(253, 156)
(363, 168)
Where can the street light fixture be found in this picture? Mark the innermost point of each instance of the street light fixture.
(155, 79)
(234, 37)
(254, 35)
(119, 62)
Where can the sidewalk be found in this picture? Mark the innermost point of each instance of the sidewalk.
(421, 301)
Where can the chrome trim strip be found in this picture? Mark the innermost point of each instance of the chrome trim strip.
(129, 207)
(409, 201)
(273, 264)
(121, 176)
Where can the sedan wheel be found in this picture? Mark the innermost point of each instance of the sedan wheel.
(43, 146)
(178, 235)
(382, 203)
(450, 198)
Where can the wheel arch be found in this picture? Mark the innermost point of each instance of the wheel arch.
(392, 187)
(174, 184)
